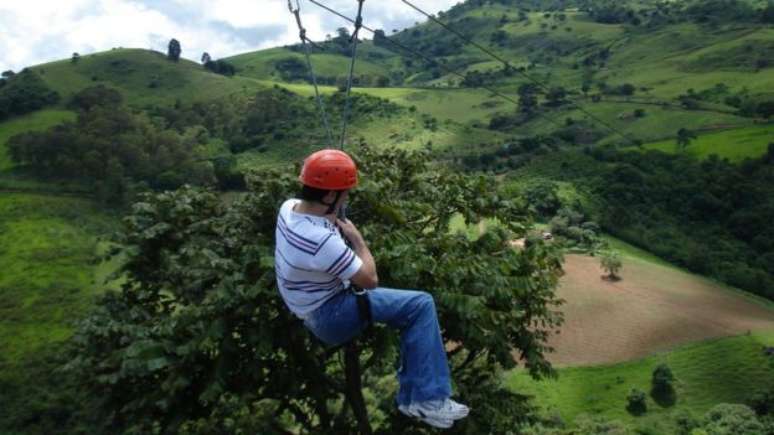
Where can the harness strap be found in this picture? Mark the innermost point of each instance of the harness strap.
(363, 305)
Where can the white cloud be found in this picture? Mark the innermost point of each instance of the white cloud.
(38, 31)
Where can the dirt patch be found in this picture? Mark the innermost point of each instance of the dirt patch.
(652, 308)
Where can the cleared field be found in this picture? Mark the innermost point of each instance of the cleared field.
(734, 145)
(261, 64)
(654, 308)
(35, 121)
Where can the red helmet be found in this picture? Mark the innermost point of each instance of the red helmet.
(329, 170)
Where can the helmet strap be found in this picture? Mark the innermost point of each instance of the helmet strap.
(332, 205)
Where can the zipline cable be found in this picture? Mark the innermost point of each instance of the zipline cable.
(508, 65)
(430, 60)
(353, 41)
(302, 34)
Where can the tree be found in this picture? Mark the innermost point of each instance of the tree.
(198, 340)
(684, 138)
(96, 96)
(174, 50)
(767, 14)
(556, 96)
(23, 93)
(76, 57)
(766, 109)
(636, 402)
(662, 391)
(627, 89)
(731, 419)
(380, 39)
(527, 98)
(611, 263)
(206, 58)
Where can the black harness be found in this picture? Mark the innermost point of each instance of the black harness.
(363, 304)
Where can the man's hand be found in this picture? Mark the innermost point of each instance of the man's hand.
(350, 231)
(366, 276)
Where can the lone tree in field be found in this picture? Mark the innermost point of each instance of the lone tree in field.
(662, 391)
(206, 58)
(684, 138)
(611, 263)
(636, 402)
(76, 57)
(198, 340)
(174, 50)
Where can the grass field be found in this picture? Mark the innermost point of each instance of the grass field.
(48, 280)
(261, 64)
(725, 370)
(734, 145)
(48, 248)
(35, 121)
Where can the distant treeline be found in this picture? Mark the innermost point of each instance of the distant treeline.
(711, 217)
(121, 152)
(613, 12)
(113, 149)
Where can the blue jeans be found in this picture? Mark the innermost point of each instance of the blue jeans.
(424, 371)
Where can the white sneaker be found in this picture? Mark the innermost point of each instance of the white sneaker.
(438, 410)
(440, 423)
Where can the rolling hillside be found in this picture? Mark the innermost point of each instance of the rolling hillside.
(647, 80)
(143, 77)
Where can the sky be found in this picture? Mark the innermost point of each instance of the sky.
(37, 31)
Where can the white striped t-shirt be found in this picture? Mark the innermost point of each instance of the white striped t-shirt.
(312, 261)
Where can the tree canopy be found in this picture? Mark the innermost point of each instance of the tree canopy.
(199, 341)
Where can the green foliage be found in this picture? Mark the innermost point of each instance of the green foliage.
(36, 121)
(220, 66)
(96, 96)
(662, 377)
(174, 50)
(49, 254)
(199, 325)
(574, 230)
(762, 402)
(731, 419)
(662, 390)
(636, 402)
(681, 210)
(23, 93)
(115, 148)
(684, 138)
(611, 263)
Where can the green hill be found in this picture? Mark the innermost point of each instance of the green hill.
(646, 68)
(144, 77)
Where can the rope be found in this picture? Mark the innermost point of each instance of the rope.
(354, 41)
(302, 34)
(508, 65)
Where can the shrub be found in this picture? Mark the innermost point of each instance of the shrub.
(612, 264)
(636, 402)
(732, 419)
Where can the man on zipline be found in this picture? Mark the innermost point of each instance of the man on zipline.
(316, 266)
